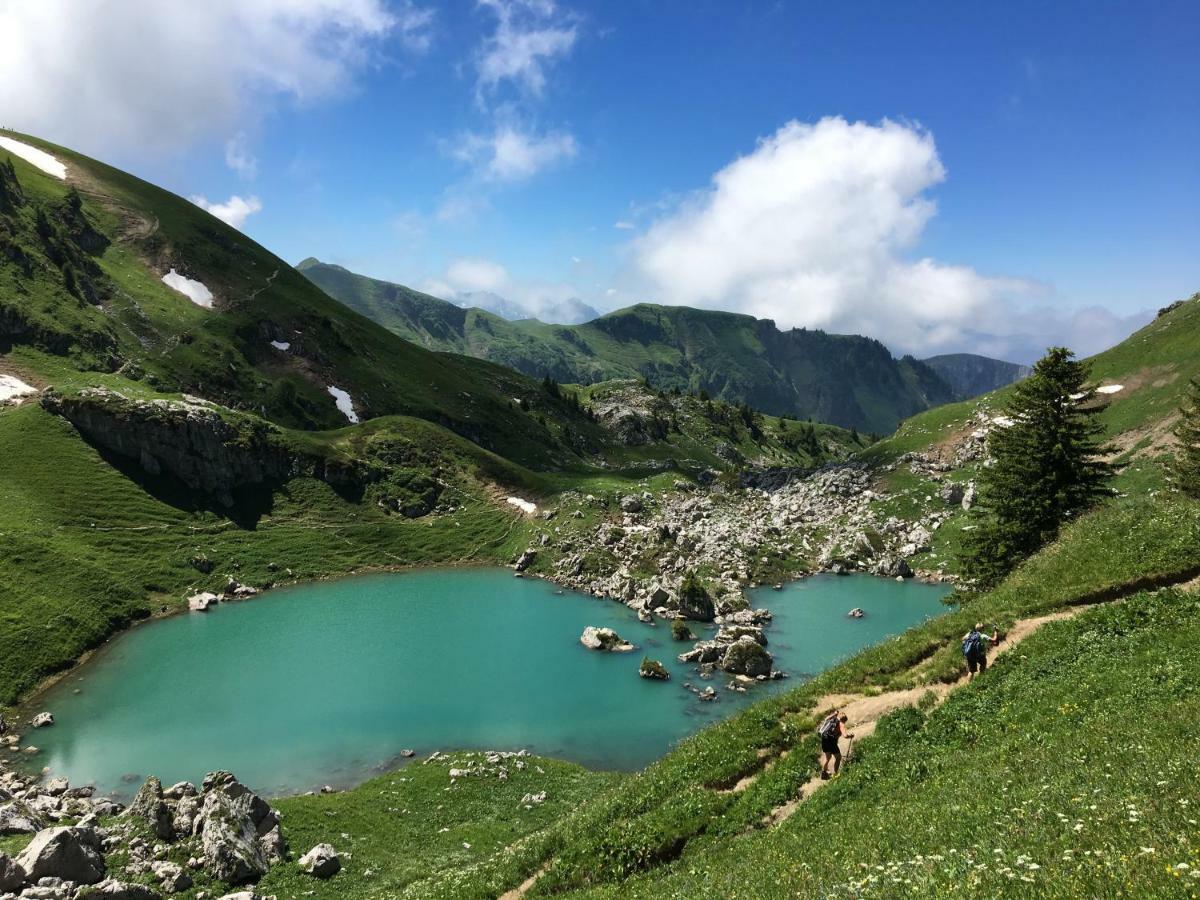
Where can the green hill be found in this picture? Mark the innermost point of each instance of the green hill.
(843, 379)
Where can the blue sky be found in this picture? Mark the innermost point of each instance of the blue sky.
(1040, 158)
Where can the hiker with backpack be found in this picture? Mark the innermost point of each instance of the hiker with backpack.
(830, 731)
(974, 648)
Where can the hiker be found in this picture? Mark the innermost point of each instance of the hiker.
(974, 647)
(833, 728)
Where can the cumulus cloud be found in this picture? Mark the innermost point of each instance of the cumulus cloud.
(529, 36)
(474, 281)
(161, 74)
(816, 228)
(233, 211)
(510, 154)
(473, 274)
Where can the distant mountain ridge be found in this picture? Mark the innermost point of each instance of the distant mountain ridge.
(970, 375)
(845, 380)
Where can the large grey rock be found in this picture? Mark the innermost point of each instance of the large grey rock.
(321, 861)
(17, 818)
(952, 493)
(232, 852)
(72, 854)
(631, 503)
(42, 720)
(171, 875)
(12, 876)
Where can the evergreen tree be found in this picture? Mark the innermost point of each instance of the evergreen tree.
(1185, 471)
(1046, 470)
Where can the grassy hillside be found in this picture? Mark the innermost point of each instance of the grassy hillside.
(843, 379)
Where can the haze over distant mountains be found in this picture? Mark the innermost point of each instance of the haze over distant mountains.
(846, 380)
(571, 311)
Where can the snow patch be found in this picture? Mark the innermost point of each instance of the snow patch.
(34, 156)
(1110, 389)
(344, 404)
(524, 506)
(193, 290)
(14, 389)
(282, 345)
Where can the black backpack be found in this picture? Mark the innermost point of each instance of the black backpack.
(829, 728)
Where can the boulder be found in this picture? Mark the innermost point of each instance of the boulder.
(12, 876)
(603, 639)
(952, 493)
(631, 503)
(202, 601)
(746, 656)
(232, 852)
(42, 719)
(727, 634)
(171, 875)
(111, 889)
(56, 787)
(274, 845)
(18, 818)
(525, 560)
(321, 861)
(969, 496)
(72, 854)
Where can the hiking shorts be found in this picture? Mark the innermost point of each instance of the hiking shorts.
(830, 745)
(976, 661)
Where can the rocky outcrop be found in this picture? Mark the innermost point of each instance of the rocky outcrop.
(322, 861)
(150, 806)
(17, 818)
(746, 656)
(653, 669)
(604, 639)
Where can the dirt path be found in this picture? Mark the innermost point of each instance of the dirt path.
(864, 712)
(523, 888)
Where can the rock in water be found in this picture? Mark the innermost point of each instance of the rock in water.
(42, 719)
(603, 639)
(232, 852)
(321, 861)
(72, 854)
(746, 656)
(202, 601)
(652, 668)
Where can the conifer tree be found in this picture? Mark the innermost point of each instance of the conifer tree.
(1046, 468)
(1185, 472)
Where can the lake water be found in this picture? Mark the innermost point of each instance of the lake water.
(325, 683)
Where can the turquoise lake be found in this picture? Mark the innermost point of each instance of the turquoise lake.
(326, 683)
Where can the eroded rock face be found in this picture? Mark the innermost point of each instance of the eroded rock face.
(232, 852)
(69, 853)
(17, 818)
(12, 876)
(322, 861)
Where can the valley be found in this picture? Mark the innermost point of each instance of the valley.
(159, 448)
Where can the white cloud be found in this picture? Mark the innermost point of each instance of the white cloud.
(813, 229)
(476, 275)
(239, 158)
(623, 225)
(160, 74)
(529, 35)
(233, 211)
(509, 154)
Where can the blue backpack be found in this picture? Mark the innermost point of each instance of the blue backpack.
(973, 644)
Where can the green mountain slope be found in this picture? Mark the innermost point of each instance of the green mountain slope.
(970, 375)
(843, 379)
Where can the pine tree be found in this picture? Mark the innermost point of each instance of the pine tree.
(1047, 468)
(1185, 471)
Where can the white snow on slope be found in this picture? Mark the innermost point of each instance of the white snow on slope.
(193, 290)
(14, 389)
(344, 404)
(281, 345)
(34, 156)
(524, 505)
(1110, 389)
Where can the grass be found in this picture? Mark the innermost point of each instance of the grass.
(1068, 770)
